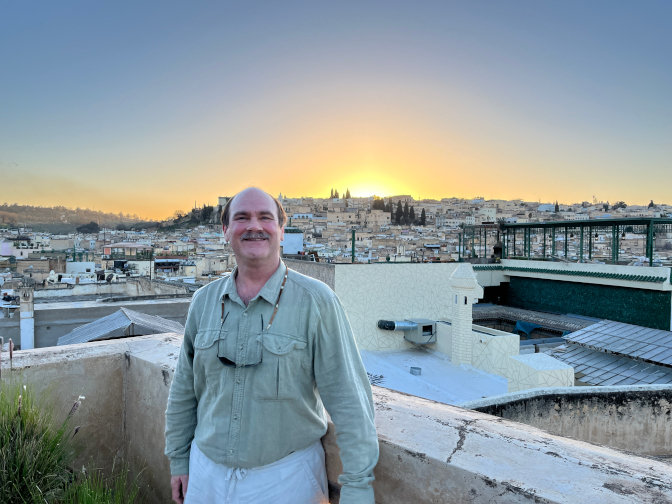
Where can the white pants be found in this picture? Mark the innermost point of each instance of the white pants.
(296, 479)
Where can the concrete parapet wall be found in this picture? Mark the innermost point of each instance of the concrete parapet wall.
(429, 452)
(633, 418)
(86, 289)
(323, 272)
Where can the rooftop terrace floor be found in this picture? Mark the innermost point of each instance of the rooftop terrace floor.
(440, 380)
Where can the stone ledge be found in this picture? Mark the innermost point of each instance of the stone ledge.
(429, 452)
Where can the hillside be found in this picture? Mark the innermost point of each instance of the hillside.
(59, 219)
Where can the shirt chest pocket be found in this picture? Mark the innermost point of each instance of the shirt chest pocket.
(208, 370)
(285, 369)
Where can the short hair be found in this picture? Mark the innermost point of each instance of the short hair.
(282, 216)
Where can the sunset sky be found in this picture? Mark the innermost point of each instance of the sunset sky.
(145, 107)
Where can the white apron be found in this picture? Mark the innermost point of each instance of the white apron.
(296, 479)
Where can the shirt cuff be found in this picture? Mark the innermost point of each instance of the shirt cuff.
(179, 466)
(357, 495)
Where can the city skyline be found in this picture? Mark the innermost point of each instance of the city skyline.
(146, 110)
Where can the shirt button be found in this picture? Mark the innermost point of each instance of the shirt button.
(244, 314)
(235, 417)
(230, 451)
(238, 381)
(241, 347)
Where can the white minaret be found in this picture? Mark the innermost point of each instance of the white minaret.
(465, 291)
(27, 323)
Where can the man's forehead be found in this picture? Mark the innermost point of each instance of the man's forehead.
(252, 200)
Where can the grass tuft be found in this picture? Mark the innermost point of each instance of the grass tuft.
(35, 451)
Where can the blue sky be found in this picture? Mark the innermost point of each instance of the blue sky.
(147, 106)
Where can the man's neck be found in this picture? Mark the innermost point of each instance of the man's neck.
(251, 278)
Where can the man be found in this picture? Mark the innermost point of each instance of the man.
(264, 349)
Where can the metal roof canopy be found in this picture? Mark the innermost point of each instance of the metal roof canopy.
(121, 324)
(637, 225)
(594, 367)
(644, 343)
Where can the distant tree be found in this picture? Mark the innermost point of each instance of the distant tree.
(206, 212)
(121, 227)
(405, 213)
(336, 194)
(378, 204)
(177, 214)
(529, 215)
(423, 218)
(332, 194)
(90, 228)
(389, 207)
(411, 215)
(399, 214)
(557, 207)
(347, 194)
(605, 207)
(651, 205)
(619, 204)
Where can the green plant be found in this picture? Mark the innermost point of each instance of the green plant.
(94, 488)
(35, 452)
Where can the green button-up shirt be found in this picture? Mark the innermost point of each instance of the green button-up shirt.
(272, 403)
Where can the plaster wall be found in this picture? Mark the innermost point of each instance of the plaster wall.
(429, 452)
(489, 278)
(492, 353)
(389, 291)
(633, 418)
(80, 267)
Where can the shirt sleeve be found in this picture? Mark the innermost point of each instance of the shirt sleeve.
(181, 417)
(346, 393)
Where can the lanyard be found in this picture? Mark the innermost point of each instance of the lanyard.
(277, 302)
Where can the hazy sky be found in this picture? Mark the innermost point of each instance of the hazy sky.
(145, 106)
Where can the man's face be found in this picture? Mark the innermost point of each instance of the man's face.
(253, 230)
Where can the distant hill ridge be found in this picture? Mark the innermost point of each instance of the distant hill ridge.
(59, 218)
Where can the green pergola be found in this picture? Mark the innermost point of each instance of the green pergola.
(586, 230)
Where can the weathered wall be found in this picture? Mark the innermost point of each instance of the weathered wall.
(647, 308)
(93, 371)
(429, 452)
(323, 272)
(635, 418)
(138, 286)
(90, 289)
(435, 453)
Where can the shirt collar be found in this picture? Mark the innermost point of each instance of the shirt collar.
(269, 291)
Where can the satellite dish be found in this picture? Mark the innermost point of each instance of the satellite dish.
(109, 278)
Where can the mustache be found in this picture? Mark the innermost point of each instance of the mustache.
(250, 235)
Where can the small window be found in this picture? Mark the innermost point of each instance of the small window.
(426, 330)
(88, 270)
(465, 299)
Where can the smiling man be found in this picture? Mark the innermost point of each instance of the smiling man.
(265, 350)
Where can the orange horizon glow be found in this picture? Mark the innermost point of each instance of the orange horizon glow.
(147, 114)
